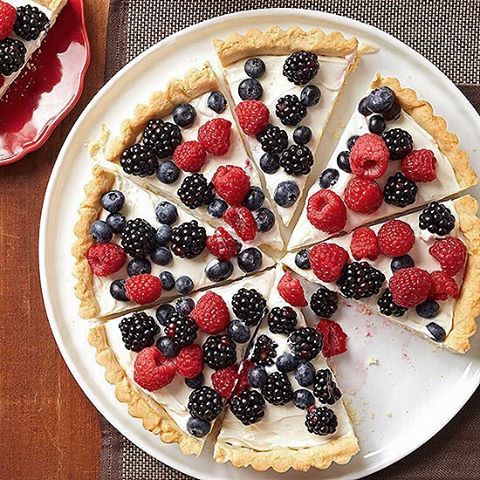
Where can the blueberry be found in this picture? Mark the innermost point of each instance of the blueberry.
(376, 124)
(303, 398)
(265, 219)
(238, 331)
(405, 261)
(310, 95)
(166, 212)
(269, 162)
(168, 172)
(116, 221)
(117, 290)
(257, 376)
(254, 67)
(305, 374)
(163, 313)
(343, 161)
(250, 89)
(217, 102)
(437, 332)
(381, 99)
(363, 107)
(195, 382)
(161, 255)
(329, 177)
(217, 208)
(168, 346)
(184, 285)
(138, 266)
(286, 193)
(101, 232)
(218, 270)
(351, 141)
(286, 362)
(185, 305)
(164, 234)
(113, 201)
(392, 113)
(302, 135)
(198, 428)
(254, 198)
(168, 280)
(302, 260)
(184, 115)
(250, 260)
(428, 309)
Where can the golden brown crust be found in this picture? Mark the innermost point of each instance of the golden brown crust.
(153, 416)
(194, 83)
(275, 41)
(422, 112)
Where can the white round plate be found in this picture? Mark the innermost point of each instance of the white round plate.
(398, 403)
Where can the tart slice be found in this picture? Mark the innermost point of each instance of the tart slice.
(134, 247)
(290, 414)
(185, 145)
(421, 270)
(176, 365)
(23, 26)
(285, 84)
(395, 155)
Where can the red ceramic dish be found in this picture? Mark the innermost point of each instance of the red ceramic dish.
(47, 89)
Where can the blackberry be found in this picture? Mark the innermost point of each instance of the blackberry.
(182, 329)
(12, 56)
(305, 343)
(139, 160)
(300, 67)
(399, 143)
(282, 320)
(360, 280)
(277, 389)
(162, 137)
(290, 110)
(205, 403)
(264, 351)
(30, 22)
(399, 190)
(249, 305)
(219, 351)
(388, 307)
(138, 331)
(248, 406)
(188, 239)
(437, 219)
(273, 139)
(324, 302)
(138, 238)
(324, 387)
(195, 191)
(297, 160)
(321, 421)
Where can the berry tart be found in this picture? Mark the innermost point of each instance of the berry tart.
(285, 85)
(23, 27)
(395, 155)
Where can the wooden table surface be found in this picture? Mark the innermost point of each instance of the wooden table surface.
(49, 430)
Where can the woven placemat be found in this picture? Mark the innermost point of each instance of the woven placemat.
(453, 46)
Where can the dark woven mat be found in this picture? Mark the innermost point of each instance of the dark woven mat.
(445, 32)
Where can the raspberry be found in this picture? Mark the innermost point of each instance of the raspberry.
(232, 184)
(152, 370)
(252, 116)
(420, 166)
(334, 338)
(362, 195)
(369, 157)
(443, 286)
(410, 286)
(215, 136)
(211, 313)
(189, 156)
(364, 244)
(395, 238)
(242, 221)
(222, 244)
(8, 14)
(327, 261)
(291, 290)
(326, 211)
(190, 361)
(105, 258)
(224, 380)
(451, 253)
(143, 289)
